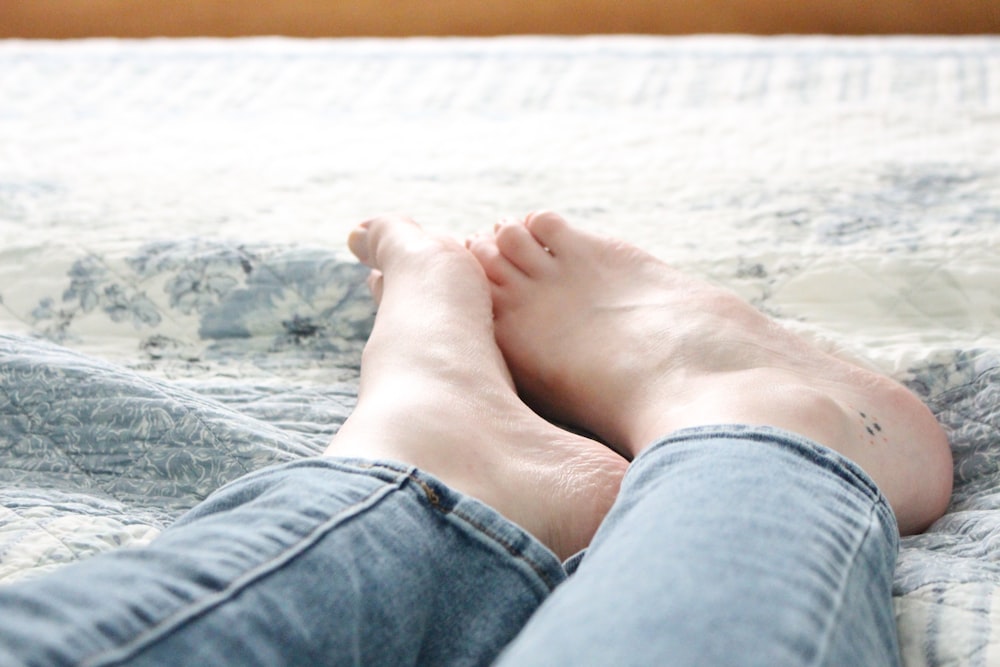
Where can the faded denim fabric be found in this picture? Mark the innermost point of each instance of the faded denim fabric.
(317, 562)
(728, 545)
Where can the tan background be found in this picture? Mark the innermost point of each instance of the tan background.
(315, 18)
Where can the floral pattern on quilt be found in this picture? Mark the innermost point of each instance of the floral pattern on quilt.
(198, 303)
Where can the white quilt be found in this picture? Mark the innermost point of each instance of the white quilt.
(177, 306)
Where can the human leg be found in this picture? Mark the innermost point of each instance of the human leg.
(762, 542)
(729, 546)
(319, 562)
(355, 561)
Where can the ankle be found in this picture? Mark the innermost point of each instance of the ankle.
(756, 397)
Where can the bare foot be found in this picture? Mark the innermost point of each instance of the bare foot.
(603, 336)
(435, 392)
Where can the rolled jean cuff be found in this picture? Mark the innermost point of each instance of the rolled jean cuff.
(826, 459)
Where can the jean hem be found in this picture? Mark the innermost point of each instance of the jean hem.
(820, 455)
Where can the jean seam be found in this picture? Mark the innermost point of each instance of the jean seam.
(824, 646)
(511, 550)
(206, 604)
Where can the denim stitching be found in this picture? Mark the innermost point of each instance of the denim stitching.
(511, 550)
(204, 605)
(838, 608)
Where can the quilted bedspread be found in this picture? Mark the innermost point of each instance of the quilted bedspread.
(178, 308)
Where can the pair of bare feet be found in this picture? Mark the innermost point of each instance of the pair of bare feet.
(599, 335)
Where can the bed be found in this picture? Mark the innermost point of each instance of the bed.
(177, 306)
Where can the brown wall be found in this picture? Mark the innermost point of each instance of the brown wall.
(312, 18)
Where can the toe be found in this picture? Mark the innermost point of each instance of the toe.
(522, 249)
(498, 268)
(506, 220)
(380, 241)
(549, 229)
(358, 242)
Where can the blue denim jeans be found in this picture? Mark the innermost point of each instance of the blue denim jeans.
(728, 545)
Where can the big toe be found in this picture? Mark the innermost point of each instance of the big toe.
(358, 242)
(550, 229)
(379, 241)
